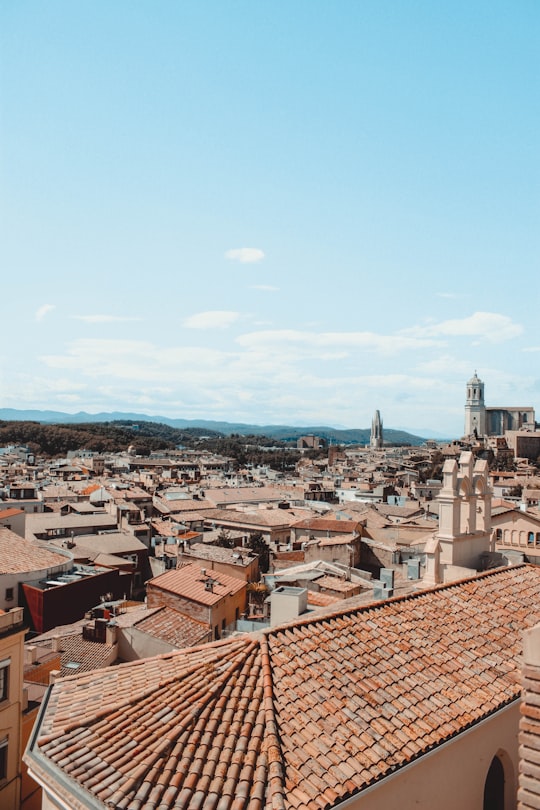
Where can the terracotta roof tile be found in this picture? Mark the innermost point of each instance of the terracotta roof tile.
(18, 555)
(190, 582)
(174, 628)
(299, 716)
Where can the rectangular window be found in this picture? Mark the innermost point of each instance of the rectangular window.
(3, 758)
(4, 678)
(9, 594)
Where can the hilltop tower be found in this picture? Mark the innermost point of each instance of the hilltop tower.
(376, 439)
(475, 408)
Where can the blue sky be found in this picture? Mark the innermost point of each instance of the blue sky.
(272, 212)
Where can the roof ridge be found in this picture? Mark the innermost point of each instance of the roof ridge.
(194, 735)
(276, 770)
(148, 691)
(159, 745)
(379, 603)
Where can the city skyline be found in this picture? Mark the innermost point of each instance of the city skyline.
(288, 214)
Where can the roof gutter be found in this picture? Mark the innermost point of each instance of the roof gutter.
(46, 775)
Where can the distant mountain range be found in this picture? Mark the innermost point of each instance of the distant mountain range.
(278, 432)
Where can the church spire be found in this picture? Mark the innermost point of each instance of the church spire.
(376, 439)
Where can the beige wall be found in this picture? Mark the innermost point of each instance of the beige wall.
(133, 644)
(12, 649)
(31, 793)
(453, 776)
(223, 611)
(464, 551)
(16, 523)
(515, 527)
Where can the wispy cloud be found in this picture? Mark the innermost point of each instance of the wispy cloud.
(313, 342)
(245, 255)
(489, 326)
(43, 311)
(451, 295)
(445, 364)
(103, 318)
(269, 373)
(213, 319)
(252, 382)
(264, 287)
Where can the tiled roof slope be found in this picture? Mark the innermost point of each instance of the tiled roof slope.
(175, 628)
(19, 556)
(189, 582)
(300, 716)
(88, 655)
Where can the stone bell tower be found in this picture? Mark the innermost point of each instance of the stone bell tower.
(464, 535)
(475, 408)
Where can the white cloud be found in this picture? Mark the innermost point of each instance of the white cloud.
(489, 326)
(213, 319)
(264, 287)
(44, 310)
(532, 349)
(245, 255)
(33, 388)
(445, 364)
(136, 360)
(294, 376)
(313, 342)
(103, 318)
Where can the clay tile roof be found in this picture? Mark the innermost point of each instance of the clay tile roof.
(318, 599)
(18, 555)
(7, 513)
(233, 556)
(327, 525)
(255, 517)
(298, 717)
(91, 488)
(190, 582)
(175, 628)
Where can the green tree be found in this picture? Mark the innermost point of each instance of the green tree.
(259, 546)
(224, 539)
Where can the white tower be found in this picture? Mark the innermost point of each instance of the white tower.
(475, 409)
(464, 536)
(376, 439)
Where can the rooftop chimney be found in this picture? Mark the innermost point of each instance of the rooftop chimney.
(30, 654)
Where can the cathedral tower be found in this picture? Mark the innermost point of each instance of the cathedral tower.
(475, 409)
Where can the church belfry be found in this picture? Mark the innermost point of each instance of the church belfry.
(475, 408)
(376, 438)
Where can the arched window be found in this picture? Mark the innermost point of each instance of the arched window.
(499, 535)
(530, 539)
(538, 538)
(494, 786)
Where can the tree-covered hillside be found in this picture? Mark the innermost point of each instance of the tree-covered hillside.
(103, 437)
